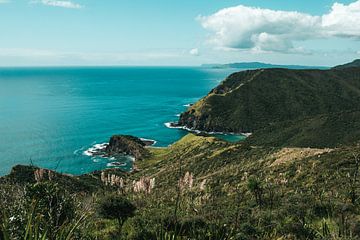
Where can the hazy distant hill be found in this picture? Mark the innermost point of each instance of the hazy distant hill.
(257, 65)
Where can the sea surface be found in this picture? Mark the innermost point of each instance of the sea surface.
(55, 117)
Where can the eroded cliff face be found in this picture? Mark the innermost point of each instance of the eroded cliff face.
(251, 100)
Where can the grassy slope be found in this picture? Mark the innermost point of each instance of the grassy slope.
(327, 130)
(292, 179)
(298, 178)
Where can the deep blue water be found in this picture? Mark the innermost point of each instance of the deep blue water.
(50, 116)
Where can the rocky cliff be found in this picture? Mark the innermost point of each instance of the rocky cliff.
(128, 145)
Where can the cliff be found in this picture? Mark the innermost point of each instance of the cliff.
(248, 101)
(128, 145)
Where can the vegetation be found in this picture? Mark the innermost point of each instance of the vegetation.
(327, 130)
(296, 177)
(222, 191)
(116, 207)
(256, 99)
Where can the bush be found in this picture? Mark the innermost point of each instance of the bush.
(53, 203)
(116, 207)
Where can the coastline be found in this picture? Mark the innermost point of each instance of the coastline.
(174, 125)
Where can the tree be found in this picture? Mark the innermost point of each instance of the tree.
(116, 207)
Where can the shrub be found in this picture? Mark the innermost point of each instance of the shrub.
(116, 207)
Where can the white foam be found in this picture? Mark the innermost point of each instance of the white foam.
(95, 149)
(177, 115)
(116, 164)
(149, 140)
(76, 152)
(188, 105)
(247, 134)
(171, 125)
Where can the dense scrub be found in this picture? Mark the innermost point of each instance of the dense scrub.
(199, 188)
(250, 100)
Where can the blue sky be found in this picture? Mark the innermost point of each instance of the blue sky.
(187, 32)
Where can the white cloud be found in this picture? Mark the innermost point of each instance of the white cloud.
(194, 52)
(4, 1)
(343, 20)
(258, 29)
(63, 4)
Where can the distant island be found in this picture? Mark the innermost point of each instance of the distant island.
(256, 65)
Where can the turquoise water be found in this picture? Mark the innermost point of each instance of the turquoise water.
(50, 116)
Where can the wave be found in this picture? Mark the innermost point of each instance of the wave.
(188, 105)
(77, 151)
(95, 149)
(151, 142)
(174, 125)
(116, 164)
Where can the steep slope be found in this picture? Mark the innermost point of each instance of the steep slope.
(325, 130)
(250, 100)
(355, 63)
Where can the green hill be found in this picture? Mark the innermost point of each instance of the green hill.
(325, 130)
(251, 100)
(355, 63)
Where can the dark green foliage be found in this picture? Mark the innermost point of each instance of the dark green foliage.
(355, 63)
(329, 130)
(274, 99)
(55, 206)
(116, 207)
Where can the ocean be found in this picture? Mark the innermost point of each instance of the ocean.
(54, 117)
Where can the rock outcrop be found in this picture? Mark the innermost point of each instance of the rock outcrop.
(128, 145)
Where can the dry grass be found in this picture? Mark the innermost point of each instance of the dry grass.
(286, 155)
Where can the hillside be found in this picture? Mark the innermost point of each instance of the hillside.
(324, 130)
(295, 177)
(355, 63)
(251, 100)
(207, 187)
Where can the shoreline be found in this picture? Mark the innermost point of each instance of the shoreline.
(174, 125)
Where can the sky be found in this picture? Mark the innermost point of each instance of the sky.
(179, 33)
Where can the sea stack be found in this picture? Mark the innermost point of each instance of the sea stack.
(128, 145)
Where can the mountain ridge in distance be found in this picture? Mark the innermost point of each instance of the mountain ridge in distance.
(257, 65)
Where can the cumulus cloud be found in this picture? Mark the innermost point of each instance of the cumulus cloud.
(343, 20)
(63, 4)
(194, 52)
(259, 29)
